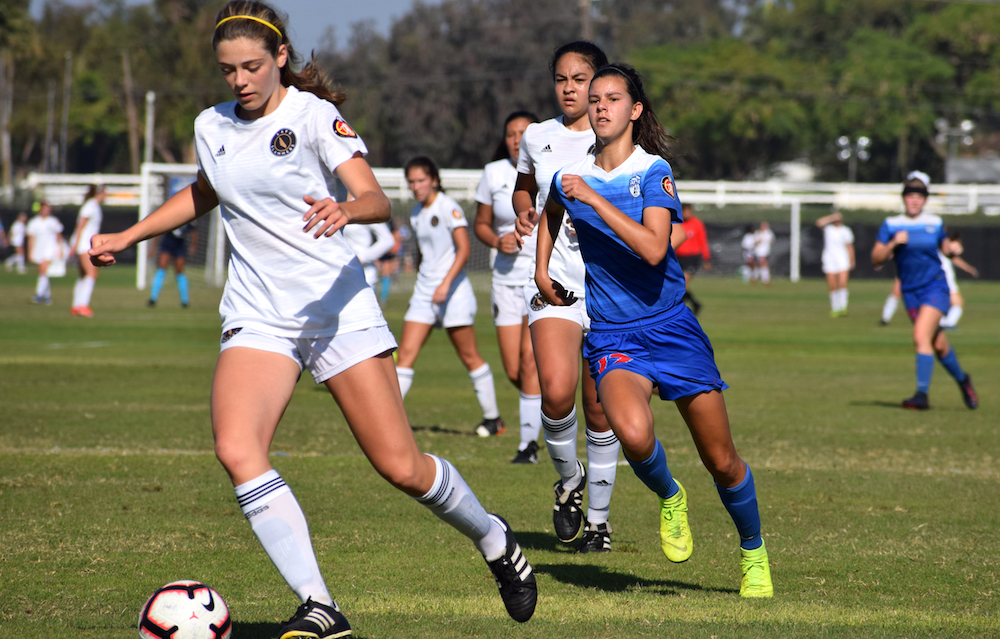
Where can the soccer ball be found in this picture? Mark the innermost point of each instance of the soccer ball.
(185, 610)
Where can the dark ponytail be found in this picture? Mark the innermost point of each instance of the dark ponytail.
(647, 131)
(589, 51)
(257, 21)
(501, 152)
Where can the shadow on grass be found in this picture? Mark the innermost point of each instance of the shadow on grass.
(255, 630)
(599, 577)
(542, 541)
(877, 403)
(443, 431)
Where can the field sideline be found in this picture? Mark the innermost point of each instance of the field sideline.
(880, 522)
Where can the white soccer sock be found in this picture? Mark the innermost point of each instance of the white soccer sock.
(86, 290)
(279, 524)
(486, 391)
(560, 440)
(834, 300)
(42, 288)
(451, 499)
(76, 292)
(745, 273)
(405, 376)
(889, 309)
(843, 299)
(755, 274)
(765, 275)
(602, 466)
(530, 409)
(951, 319)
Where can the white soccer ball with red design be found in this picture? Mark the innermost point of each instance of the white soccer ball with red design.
(185, 610)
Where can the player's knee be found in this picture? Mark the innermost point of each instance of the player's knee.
(725, 467)
(403, 475)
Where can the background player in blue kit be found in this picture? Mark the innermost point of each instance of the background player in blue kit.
(914, 239)
(174, 246)
(623, 202)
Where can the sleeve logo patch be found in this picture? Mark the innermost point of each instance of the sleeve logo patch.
(343, 129)
(456, 214)
(635, 186)
(283, 142)
(668, 185)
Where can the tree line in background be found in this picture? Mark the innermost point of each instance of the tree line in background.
(742, 85)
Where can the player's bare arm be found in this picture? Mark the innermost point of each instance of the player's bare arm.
(370, 205)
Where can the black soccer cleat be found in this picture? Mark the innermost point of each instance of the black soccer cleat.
(527, 456)
(514, 577)
(314, 620)
(969, 393)
(596, 538)
(491, 427)
(567, 514)
(919, 401)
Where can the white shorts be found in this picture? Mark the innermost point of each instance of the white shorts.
(538, 308)
(84, 244)
(458, 310)
(323, 356)
(949, 275)
(836, 263)
(508, 306)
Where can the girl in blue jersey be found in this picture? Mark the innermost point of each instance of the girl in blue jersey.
(914, 239)
(622, 201)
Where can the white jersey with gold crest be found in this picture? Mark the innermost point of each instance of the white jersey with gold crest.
(545, 148)
(282, 280)
(433, 227)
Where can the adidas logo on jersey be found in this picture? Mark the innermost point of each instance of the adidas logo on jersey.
(221, 151)
(547, 148)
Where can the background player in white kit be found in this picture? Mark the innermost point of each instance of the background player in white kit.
(838, 259)
(443, 295)
(88, 224)
(763, 239)
(296, 298)
(45, 240)
(16, 237)
(369, 242)
(512, 266)
(557, 331)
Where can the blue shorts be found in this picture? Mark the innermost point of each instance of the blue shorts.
(936, 294)
(670, 350)
(173, 246)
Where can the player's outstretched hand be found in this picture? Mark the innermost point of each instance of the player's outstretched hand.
(323, 215)
(104, 246)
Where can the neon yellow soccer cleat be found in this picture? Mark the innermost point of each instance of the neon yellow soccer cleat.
(675, 534)
(756, 580)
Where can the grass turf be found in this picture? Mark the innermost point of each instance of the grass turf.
(880, 522)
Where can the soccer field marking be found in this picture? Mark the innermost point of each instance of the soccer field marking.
(54, 347)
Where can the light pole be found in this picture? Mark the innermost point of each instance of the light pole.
(950, 135)
(851, 152)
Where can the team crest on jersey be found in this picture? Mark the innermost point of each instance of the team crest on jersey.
(930, 229)
(283, 142)
(435, 221)
(456, 214)
(230, 334)
(592, 149)
(668, 185)
(343, 129)
(538, 302)
(634, 186)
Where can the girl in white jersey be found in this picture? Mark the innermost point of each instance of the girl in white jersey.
(512, 266)
(557, 331)
(88, 224)
(45, 241)
(838, 259)
(443, 295)
(296, 298)
(17, 241)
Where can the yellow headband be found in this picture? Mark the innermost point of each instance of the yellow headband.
(263, 22)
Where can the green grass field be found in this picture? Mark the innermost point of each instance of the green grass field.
(880, 522)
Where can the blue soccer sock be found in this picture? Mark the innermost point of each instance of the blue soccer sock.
(741, 503)
(154, 293)
(950, 362)
(654, 473)
(925, 368)
(384, 293)
(182, 287)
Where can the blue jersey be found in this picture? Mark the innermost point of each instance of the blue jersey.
(918, 262)
(621, 286)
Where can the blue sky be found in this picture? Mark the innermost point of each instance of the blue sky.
(310, 19)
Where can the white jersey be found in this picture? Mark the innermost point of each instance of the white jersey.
(369, 241)
(496, 189)
(762, 239)
(45, 230)
(747, 244)
(283, 281)
(91, 211)
(545, 148)
(433, 227)
(836, 239)
(17, 233)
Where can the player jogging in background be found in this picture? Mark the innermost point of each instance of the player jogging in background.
(174, 247)
(914, 240)
(693, 253)
(44, 233)
(297, 298)
(443, 295)
(623, 203)
(512, 267)
(763, 239)
(950, 321)
(88, 224)
(369, 242)
(556, 331)
(16, 237)
(838, 259)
